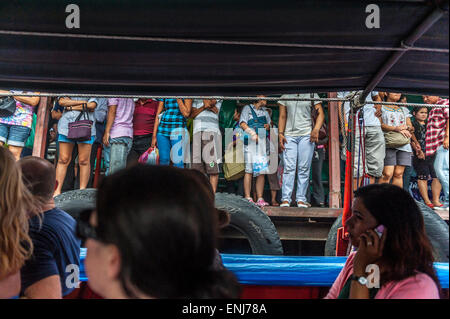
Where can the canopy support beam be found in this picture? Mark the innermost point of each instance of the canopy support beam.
(423, 27)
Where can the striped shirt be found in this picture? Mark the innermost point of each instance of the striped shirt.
(171, 119)
(437, 122)
(206, 120)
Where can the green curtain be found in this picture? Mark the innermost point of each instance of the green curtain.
(30, 141)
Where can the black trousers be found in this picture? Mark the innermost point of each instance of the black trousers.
(317, 196)
(139, 146)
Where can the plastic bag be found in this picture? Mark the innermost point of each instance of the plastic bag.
(260, 162)
(150, 157)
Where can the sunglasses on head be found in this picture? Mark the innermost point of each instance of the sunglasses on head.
(84, 229)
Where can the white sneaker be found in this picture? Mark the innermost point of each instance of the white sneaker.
(303, 204)
(285, 204)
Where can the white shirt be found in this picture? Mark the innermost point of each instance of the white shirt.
(206, 120)
(396, 117)
(369, 109)
(298, 119)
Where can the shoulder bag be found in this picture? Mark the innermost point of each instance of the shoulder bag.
(80, 130)
(396, 139)
(7, 106)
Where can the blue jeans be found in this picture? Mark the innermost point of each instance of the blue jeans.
(441, 167)
(107, 150)
(14, 135)
(297, 155)
(173, 148)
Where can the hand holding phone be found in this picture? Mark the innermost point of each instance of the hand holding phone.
(379, 230)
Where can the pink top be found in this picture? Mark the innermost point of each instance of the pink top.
(123, 123)
(420, 286)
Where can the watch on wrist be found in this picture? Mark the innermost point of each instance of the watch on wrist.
(361, 279)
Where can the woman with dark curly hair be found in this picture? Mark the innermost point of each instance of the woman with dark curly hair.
(403, 253)
(154, 235)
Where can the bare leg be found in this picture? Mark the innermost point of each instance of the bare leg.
(260, 186)
(247, 184)
(65, 155)
(388, 172)
(84, 160)
(398, 176)
(274, 198)
(423, 189)
(16, 151)
(356, 183)
(436, 191)
(214, 180)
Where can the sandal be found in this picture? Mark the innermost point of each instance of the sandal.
(250, 200)
(261, 203)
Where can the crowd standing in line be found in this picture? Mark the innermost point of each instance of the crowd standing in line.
(143, 123)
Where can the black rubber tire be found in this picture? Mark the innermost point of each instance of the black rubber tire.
(249, 219)
(435, 227)
(252, 222)
(330, 244)
(74, 202)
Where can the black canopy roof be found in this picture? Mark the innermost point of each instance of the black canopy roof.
(63, 64)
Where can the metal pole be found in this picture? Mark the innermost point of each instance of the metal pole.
(423, 27)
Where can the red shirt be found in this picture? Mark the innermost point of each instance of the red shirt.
(437, 122)
(144, 117)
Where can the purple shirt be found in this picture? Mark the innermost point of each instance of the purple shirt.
(123, 123)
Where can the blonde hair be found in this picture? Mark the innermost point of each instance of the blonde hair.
(16, 205)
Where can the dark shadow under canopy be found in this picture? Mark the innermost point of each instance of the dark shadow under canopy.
(64, 64)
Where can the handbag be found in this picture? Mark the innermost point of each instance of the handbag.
(150, 156)
(80, 130)
(396, 139)
(323, 132)
(234, 166)
(7, 106)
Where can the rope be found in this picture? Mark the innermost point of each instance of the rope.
(343, 130)
(220, 42)
(248, 98)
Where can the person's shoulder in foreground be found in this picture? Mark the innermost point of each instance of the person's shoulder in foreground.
(53, 234)
(420, 286)
(56, 248)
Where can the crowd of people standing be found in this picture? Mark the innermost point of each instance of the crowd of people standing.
(139, 124)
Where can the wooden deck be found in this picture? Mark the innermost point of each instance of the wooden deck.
(314, 212)
(312, 224)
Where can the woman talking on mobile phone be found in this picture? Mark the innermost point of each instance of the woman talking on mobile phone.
(402, 253)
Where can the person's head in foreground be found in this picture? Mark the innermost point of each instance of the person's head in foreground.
(154, 236)
(15, 206)
(404, 250)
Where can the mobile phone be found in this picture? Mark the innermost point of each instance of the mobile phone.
(379, 230)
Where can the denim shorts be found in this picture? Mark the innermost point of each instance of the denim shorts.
(65, 139)
(14, 135)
